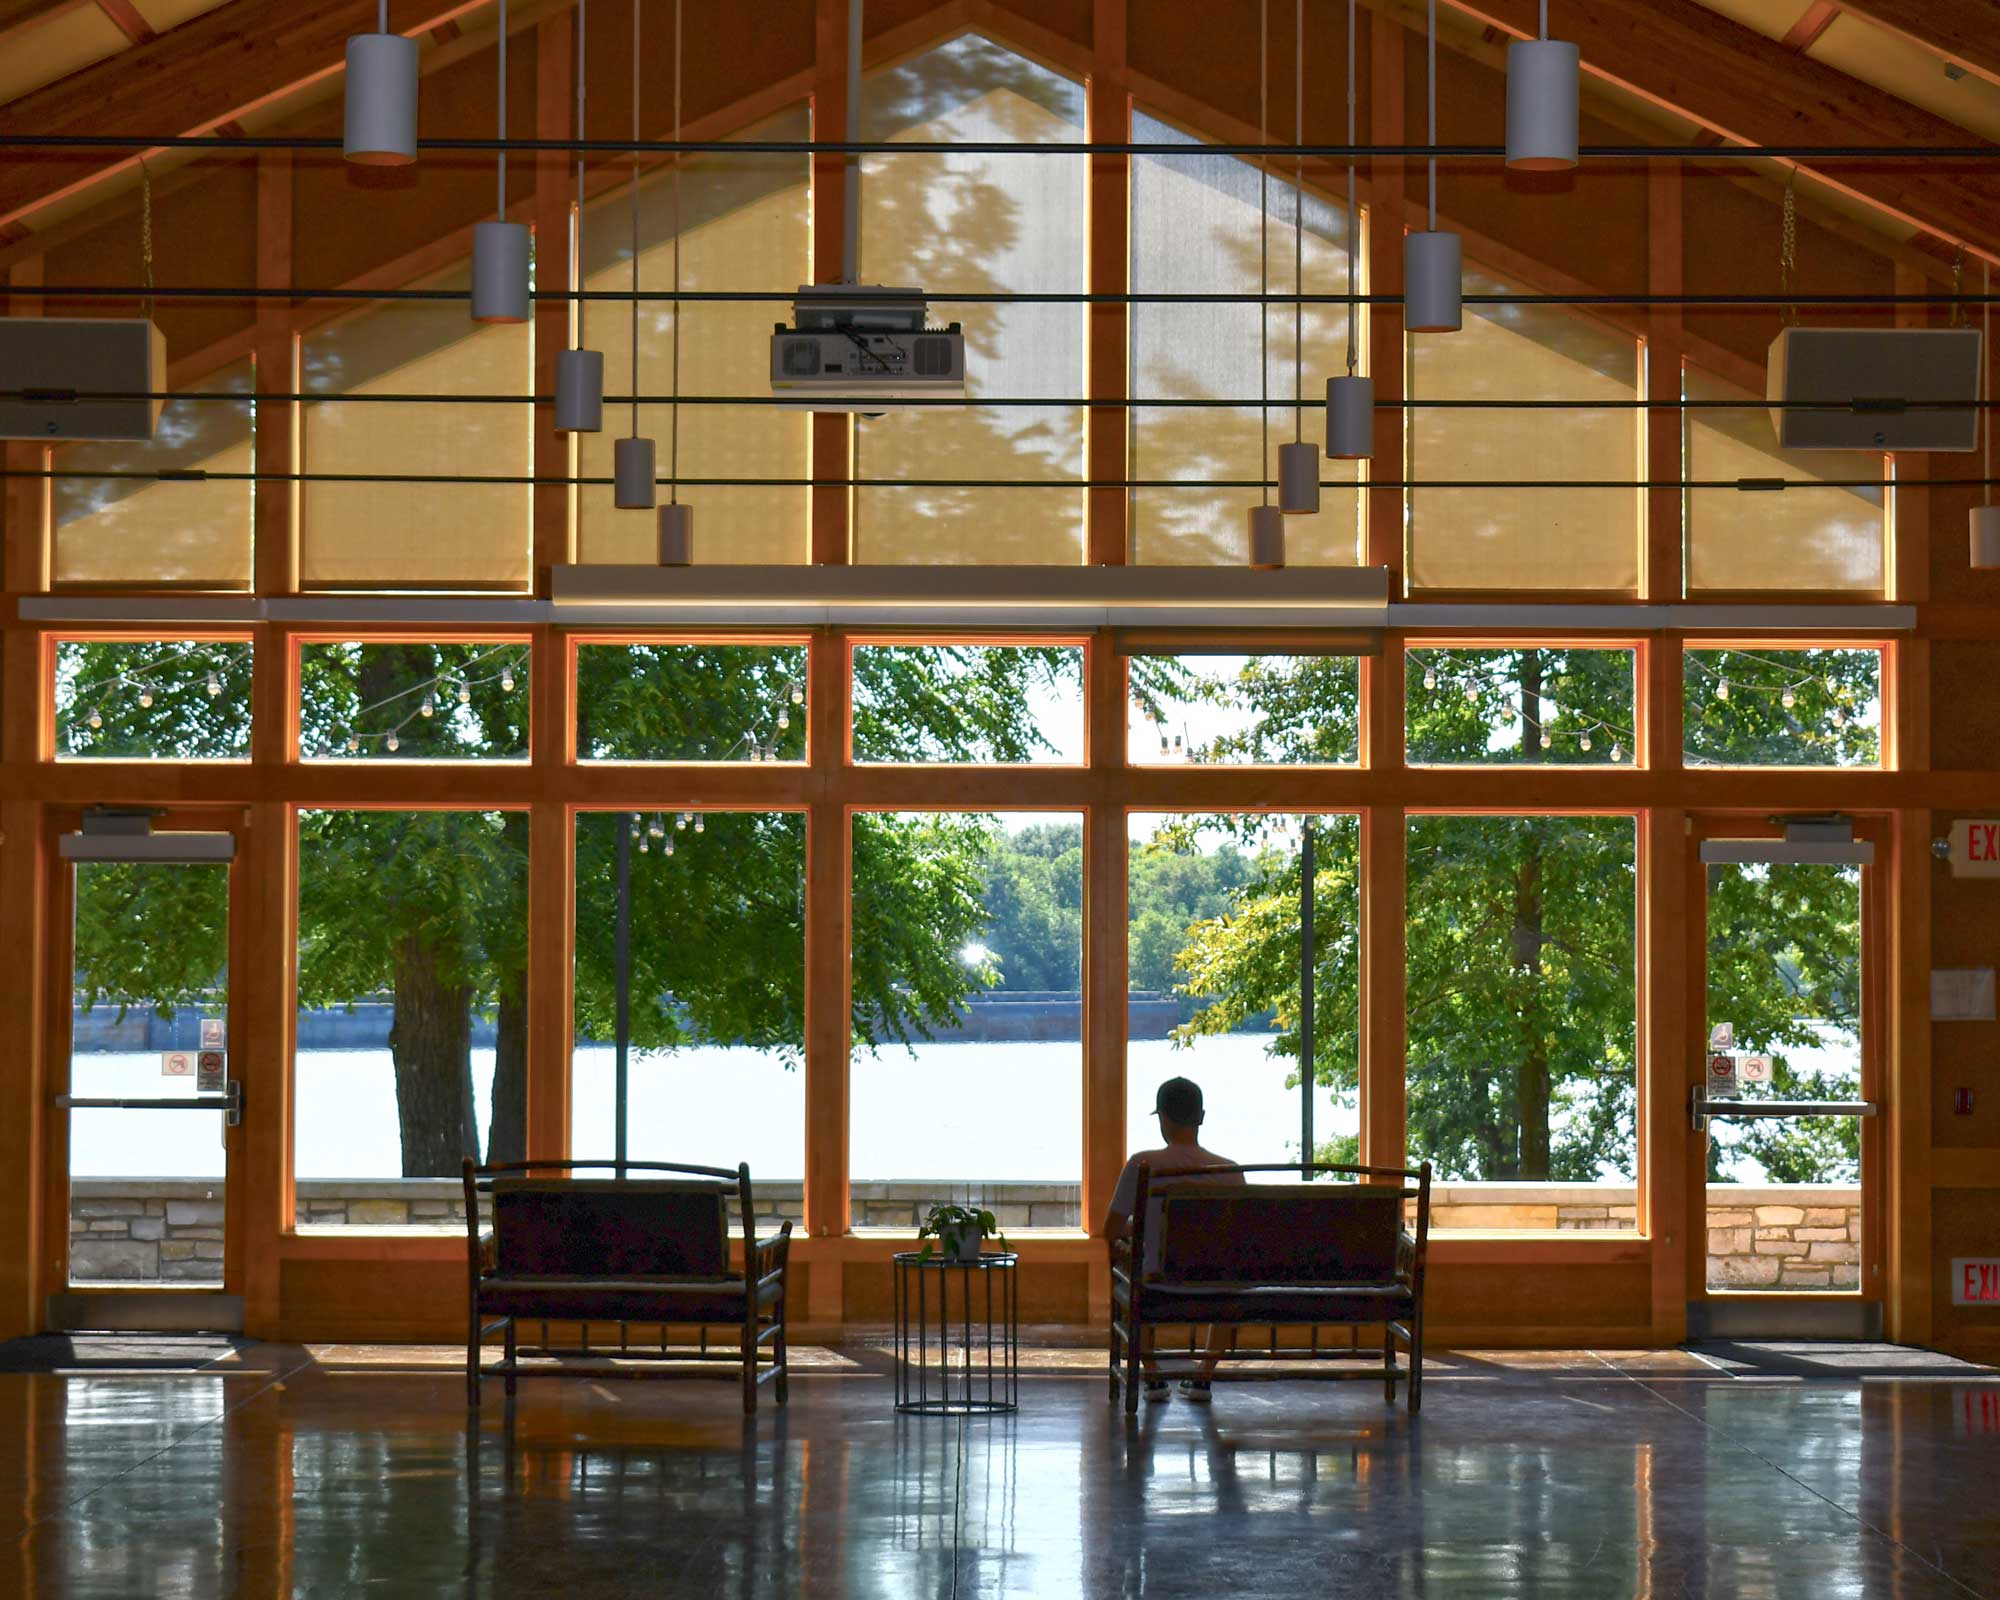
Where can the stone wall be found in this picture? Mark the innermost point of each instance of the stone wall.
(1785, 1236)
(169, 1230)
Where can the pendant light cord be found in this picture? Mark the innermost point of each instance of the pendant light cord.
(1299, 222)
(1264, 239)
(382, 16)
(576, 233)
(1351, 222)
(500, 208)
(674, 415)
(1431, 81)
(1545, 19)
(635, 218)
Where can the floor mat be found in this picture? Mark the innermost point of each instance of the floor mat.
(127, 1352)
(1806, 1358)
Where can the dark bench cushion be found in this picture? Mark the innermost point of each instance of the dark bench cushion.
(604, 1228)
(1233, 1303)
(1300, 1235)
(592, 1298)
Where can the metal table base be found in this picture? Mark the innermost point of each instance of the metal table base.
(958, 1334)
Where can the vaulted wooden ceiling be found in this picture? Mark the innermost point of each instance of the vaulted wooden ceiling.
(1735, 72)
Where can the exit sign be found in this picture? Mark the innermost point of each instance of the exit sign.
(1975, 848)
(1975, 1281)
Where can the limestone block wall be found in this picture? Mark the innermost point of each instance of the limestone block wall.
(1786, 1236)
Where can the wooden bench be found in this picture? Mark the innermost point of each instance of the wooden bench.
(1269, 1255)
(652, 1251)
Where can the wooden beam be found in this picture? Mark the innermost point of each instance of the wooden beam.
(1961, 31)
(125, 17)
(190, 79)
(1813, 21)
(22, 16)
(1754, 91)
(1110, 325)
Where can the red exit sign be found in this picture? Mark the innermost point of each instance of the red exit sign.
(1975, 848)
(1975, 1281)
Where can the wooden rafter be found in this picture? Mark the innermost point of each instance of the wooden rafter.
(1961, 31)
(188, 80)
(1813, 21)
(1754, 91)
(125, 17)
(17, 16)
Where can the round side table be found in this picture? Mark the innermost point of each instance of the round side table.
(958, 1334)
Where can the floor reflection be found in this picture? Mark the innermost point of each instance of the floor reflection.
(1543, 1475)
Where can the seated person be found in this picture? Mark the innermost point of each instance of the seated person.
(1179, 1108)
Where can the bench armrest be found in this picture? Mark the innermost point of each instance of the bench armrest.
(770, 1255)
(489, 1251)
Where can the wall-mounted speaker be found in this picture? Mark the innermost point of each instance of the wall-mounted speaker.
(48, 363)
(1895, 388)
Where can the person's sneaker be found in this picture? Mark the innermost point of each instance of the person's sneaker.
(1196, 1391)
(1156, 1388)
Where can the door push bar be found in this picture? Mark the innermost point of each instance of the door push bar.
(229, 1103)
(1701, 1108)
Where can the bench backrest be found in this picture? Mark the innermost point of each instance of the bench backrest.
(603, 1227)
(1319, 1233)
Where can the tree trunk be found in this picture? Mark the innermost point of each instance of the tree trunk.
(1532, 1088)
(430, 1043)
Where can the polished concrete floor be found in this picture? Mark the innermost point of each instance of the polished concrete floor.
(345, 1471)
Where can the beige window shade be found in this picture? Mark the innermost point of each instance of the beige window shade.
(1510, 539)
(1830, 540)
(979, 223)
(417, 535)
(746, 224)
(1194, 231)
(149, 534)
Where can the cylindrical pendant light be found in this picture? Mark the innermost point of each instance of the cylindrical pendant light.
(579, 391)
(379, 122)
(632, 467)
(500, 248)
(1986, 518)
(632, 472)
(676, 535)
(1267, 537)
(1433, 277)
(579, 372)
(1298, 462)
(1542, 101)
(1350, 401)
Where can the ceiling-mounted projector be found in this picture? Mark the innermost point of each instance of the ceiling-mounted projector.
(860, 347)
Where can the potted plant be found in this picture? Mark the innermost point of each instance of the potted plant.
(960, 1230)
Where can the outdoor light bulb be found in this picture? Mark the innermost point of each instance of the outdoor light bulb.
(465, 694)
(354, 744)
(798, 697)
(784, 721)
(643, 846)
(656, 828)
(96, 718)
(1722, 689)
(1472, 692)
(700, 825)
(146, 697)
(1617, 753)
(1546, 739)
(1165, 748)
(1584, 742)
(668, 847)
(1788, 700)
(394, 744)
(1430, 678)
(1507, 716)
(214, 686)
(428, 708)
(1839, 717)
(506, 680)
(681, 821)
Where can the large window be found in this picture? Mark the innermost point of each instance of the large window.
(412, 985)
(415, 533)
(966, 964)
(1230, 710)
(1554, 707)
(745, 226)
(191, 533)
(691, 702)
(1195, 231)
(979, 224)
(717, 993)
(153, 699)
(1214, 960)
(1822, 539)
(1521, 996)
(414, 702)
(1576, 539)
(990, 704)
(1757, 706)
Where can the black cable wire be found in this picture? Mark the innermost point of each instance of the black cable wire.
(1339, 153)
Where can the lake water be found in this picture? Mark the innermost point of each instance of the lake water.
(958, 1111)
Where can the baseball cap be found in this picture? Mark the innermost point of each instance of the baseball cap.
(1179, 1100)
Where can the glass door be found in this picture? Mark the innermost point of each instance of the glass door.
(1783, 1108)
(151, 1102)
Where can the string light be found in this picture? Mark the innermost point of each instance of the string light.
(464, 693)
(1430, 677)
(1547, 739)
(1788, 699)
(146, 697)
(354, 744)
(393, 744)
(657, 828)
(668, 846)
(1617, 753)
(681, 821)
(428, 708)
(506, 680)
(700, 823)
(96, 718)
(1583, 741)
(214, 686)
(1722, 688)
(798, 695)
